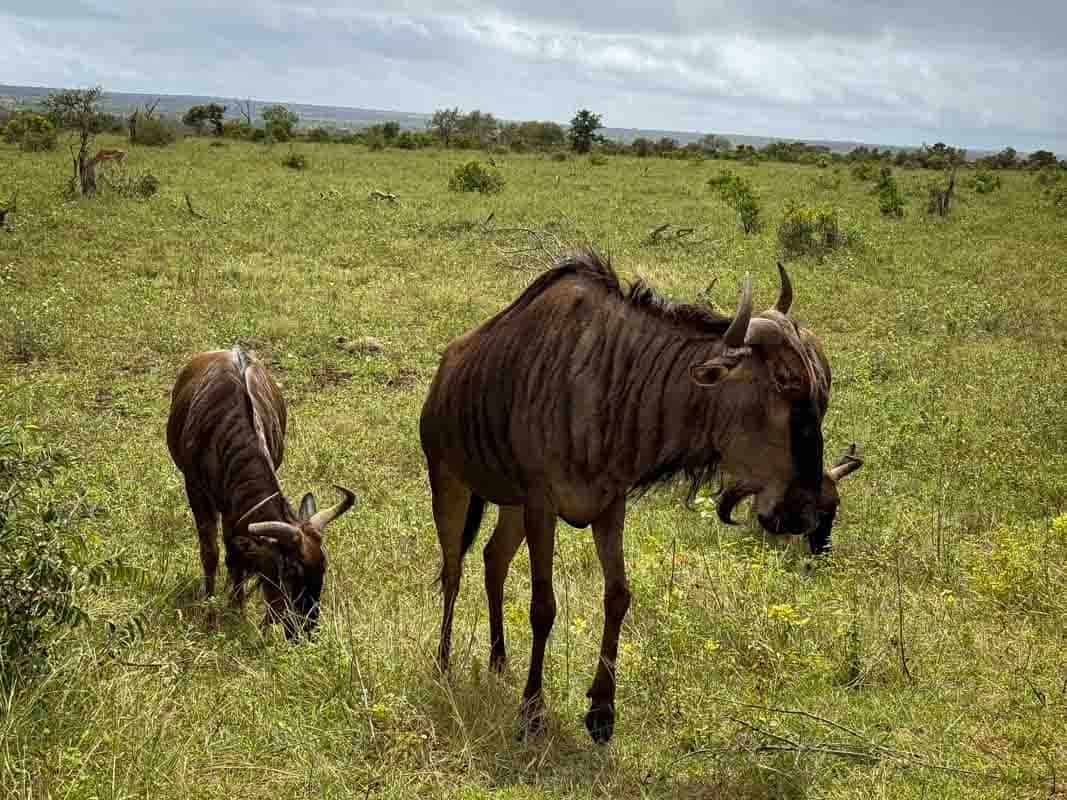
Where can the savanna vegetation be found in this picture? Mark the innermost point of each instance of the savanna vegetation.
(924, 658)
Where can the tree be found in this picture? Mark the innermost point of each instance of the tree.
(196, 118)
(1040, 159)
(444, 123)
(279, 122)
(584, 129)
(215, 115)
(78, 110)
(390, 130)
(710, 143)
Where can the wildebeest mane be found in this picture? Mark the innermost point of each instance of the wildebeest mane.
(589, 265)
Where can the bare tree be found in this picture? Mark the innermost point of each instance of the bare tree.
(444, 123)
(78, 111)
(247, 109)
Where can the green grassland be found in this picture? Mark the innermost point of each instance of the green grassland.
(948, 341)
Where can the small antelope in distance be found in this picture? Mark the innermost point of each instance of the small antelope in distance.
(581, 394)
(226, 434)
(118, 156)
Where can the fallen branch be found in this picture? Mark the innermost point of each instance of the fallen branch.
(662, 235)
(192, 211)
(377, 195)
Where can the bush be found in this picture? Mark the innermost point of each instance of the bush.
(295, 160)
(810, 230)
(407, 141)
(560, 156)
(985, 182)
(862, 171)
(152, 132)
(476, 177)
(738, 193)
(597, 160)
(32, 132)
(891, 201)
(236, 129)
(43, 567)
(319, 134)
(1049, 176)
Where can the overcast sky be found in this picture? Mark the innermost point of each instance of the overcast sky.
(981, 75)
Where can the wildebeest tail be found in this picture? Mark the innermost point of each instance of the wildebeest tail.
(475, 510)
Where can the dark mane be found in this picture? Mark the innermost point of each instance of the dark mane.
(588, 264)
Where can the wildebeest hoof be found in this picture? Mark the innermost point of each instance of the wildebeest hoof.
(532, 723)
(600, 722)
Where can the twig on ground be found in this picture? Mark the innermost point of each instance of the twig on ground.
(192, 211)
(378, 195)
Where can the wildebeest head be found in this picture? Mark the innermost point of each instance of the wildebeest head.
(774, 384)
(292, 559)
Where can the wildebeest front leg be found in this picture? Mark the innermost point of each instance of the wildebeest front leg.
(451, 497)
(540, 539)
(498, 553)
(207, 522)
(607, 532)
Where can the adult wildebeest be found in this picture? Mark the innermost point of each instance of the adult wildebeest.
(226, 434)
(578, 395)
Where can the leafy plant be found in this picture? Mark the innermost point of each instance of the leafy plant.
(891, 201)
(294, 160)
(32, 132)
(739, 194)
(476, 177)
(985, 182)
(810, 230)
(42, 566)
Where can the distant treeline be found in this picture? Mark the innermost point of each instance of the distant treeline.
(478, 130)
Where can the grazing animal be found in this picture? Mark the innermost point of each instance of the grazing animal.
(118, 156)
(580, 395)
(226, 435)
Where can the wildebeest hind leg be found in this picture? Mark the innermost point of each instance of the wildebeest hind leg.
(607, 532)
(498, 554)
(207, 520)
(450, 500)
(540, 527)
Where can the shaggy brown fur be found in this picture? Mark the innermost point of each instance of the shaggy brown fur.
(226, 434)
(580, 394)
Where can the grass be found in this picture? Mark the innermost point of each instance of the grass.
(948, 340)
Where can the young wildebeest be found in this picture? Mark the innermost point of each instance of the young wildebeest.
(577, 396)
(226, 434)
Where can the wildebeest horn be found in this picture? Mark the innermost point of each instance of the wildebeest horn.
(848, 463)
(255, 508)
(764, 333)
(324, 518)
(735, 334)
(282, 531)
(785, 294)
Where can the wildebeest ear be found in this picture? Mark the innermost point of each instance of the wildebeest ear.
(307, 506)
(711, 372)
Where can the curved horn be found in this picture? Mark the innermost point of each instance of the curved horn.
(282, 531)
(785, 294)
(735, 334)
(763, 333)
(325, 517)
(255, 508)
(848, 463)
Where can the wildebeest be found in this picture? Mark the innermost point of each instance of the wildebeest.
(226, 434)
(579, 395)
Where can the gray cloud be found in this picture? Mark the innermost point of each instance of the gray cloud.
(989, 76)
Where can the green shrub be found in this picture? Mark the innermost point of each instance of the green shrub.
(597, 160)
(985, 182)
(407, 141)
(295, 160)
(32, 132)
(739, 194)
(1009, 568)
(319, 134)
(810, 230)
(560, 156)
(43, 566)
(476, 177)
(152, 132)
(891, 201)
(236, 129)
(862, 171)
